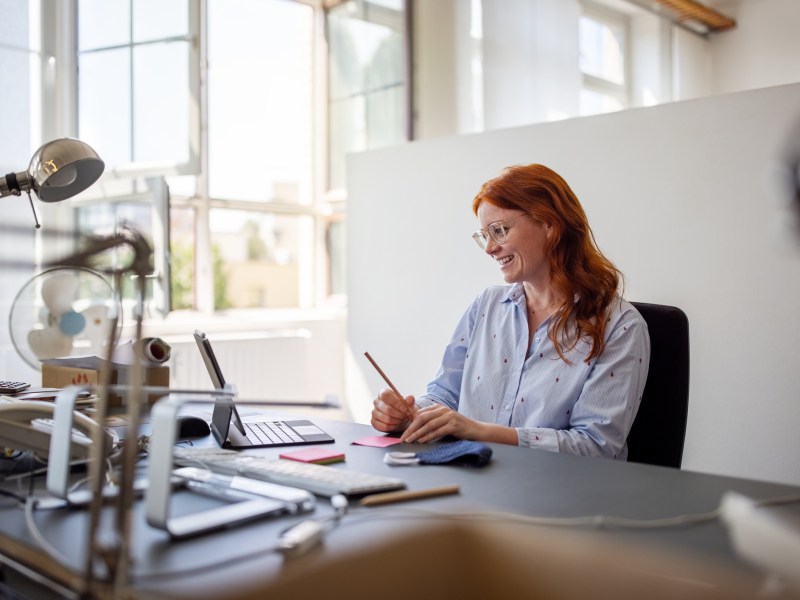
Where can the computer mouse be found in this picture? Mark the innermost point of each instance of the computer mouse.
(191, 426)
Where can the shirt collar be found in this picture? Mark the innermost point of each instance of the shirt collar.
(514, 293)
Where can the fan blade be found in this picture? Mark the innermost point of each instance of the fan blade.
(59, 291)
(49, 343)
(98, 326)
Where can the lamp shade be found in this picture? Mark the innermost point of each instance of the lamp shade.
(63, 168)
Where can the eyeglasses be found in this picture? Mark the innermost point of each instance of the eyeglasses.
(498, 231)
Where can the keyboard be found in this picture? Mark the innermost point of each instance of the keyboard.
(319, 479)
(13, 387)
(271, 433)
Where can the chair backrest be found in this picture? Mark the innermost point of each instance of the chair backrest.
(659, 429)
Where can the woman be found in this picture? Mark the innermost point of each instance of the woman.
(555, 360)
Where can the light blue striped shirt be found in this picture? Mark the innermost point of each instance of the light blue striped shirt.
(488, 375)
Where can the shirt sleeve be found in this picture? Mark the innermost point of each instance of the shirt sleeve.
(445, 387)
(610, 397)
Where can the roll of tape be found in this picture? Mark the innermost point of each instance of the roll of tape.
(154, 350)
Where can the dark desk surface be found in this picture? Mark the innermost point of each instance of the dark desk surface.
(518, 480)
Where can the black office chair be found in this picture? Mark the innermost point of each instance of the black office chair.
(659, 429)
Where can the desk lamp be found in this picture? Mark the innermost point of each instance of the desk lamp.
(58, 170)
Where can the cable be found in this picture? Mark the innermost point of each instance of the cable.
(198, 569)
(36, 534)
(598, 521)
(17, 497)
(779, 500)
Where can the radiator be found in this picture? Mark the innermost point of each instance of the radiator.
(273, 365)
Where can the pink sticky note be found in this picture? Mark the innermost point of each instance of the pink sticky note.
(378, 441)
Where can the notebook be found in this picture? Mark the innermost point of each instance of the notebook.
(251, 434)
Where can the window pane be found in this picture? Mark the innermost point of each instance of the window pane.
(16, 146)
(602, 49)
(260, 100)
(103, 23)
(182, 255)
(336, 245)
(366, 81)
(15, 24)
(384, 114)
(184, 186)
(257, 258)
(104, 109)
(594, 103)
(347, 133)
(20, 121)
(161, 98)
(156, 19)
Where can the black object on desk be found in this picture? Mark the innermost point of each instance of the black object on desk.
(190, 426)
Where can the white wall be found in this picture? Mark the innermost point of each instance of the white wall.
(678, 197)
(528, 50)
(764, 48)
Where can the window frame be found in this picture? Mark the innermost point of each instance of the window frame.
(327, 205)
(622, 92)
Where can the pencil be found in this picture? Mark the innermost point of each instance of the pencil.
(409, 412)
(388, 497)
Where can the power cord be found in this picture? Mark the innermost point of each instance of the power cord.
(597, 521)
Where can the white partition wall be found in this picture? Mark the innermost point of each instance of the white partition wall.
(680, 196)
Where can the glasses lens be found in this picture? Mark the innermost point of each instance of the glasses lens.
(498, 232)
(480, 239)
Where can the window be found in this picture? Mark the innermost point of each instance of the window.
(368, 103)
(20, 60)
(603, 42)
(251, 222)
(137, 89)
(367, 106)
(134, 86)
(261, 167)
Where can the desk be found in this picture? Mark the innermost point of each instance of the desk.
(524, 481)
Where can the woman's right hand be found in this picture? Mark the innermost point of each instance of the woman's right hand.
(391, 413)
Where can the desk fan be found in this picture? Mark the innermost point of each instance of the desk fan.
(63, 311)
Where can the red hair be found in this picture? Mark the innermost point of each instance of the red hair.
(578, 270)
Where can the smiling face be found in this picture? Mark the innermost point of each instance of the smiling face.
(522, 257)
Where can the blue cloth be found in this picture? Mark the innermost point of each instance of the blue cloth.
(489, 374)
(462, 452)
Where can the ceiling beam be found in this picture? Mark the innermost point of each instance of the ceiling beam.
(691, 14)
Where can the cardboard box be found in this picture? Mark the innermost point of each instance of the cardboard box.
(63, 372)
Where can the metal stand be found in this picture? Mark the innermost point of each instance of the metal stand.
(159, 489)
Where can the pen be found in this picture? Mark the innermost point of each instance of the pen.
(409, 412)
(388, 497)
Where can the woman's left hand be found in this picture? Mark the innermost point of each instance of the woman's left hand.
(436, 421)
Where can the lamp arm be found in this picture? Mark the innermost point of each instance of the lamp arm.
(13, 184)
